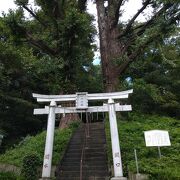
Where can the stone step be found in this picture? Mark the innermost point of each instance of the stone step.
(89, 139)
(90, 163)
(87, 154)
(85, 168)
(77, 159)
(77, 173)
(100, 135)
(87, 150)
(96, 131)
(90, 143)
(84, 178)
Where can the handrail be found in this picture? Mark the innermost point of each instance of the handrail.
(84, 145)
(82, 155)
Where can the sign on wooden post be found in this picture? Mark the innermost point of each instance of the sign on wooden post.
(157, 138)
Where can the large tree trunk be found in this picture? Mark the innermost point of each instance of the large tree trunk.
(67, 119)
(110, 49)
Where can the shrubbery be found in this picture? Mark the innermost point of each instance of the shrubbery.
(132, 137)
(35, 145)
(30, 167)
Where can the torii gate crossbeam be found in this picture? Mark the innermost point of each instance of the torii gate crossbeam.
(67, 110)
(90, 97)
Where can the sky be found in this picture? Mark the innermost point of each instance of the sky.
(130, 8)
(6, 4)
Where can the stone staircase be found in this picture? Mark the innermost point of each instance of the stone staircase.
(91, 150)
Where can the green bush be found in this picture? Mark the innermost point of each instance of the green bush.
(30, 167)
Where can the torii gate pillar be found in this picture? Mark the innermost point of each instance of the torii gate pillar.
(46, 172)
(116, 153)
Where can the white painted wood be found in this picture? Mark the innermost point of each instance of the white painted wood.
(67, 110)
(65, 99)
(72, 97)
(123, 108)
(46, 172)
(117, 162)
(109, 95)
(41, 111)
(53, 96)
(62, 99)
(123, 96)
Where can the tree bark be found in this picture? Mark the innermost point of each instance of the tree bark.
(118, 42)
(110, 48)
(67, 119)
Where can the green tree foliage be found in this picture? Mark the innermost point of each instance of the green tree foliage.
(16, 86)
(58, 32)
(156, 79)
(48, 53)
(92, 80)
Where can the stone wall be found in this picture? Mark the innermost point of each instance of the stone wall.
(17, 170)
(132, 176)
(10, 168)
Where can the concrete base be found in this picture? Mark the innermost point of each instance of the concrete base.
(118, 178)
(137, 176)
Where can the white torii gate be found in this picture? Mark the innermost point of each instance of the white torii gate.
(81, 100)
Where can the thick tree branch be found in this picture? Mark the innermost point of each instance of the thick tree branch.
(174, 19)
(134, 55)
(34, 15)
(40, 44)
(141, 48)
(116, 4)
(129, 25)
(153, 19)
(82, 5)
(58, 11)
(141, 28)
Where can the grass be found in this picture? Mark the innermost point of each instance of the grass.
(131, 137)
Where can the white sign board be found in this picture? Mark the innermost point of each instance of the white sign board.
(157, 138)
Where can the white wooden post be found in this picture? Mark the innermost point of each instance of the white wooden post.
(46, 172)
(117, 162)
